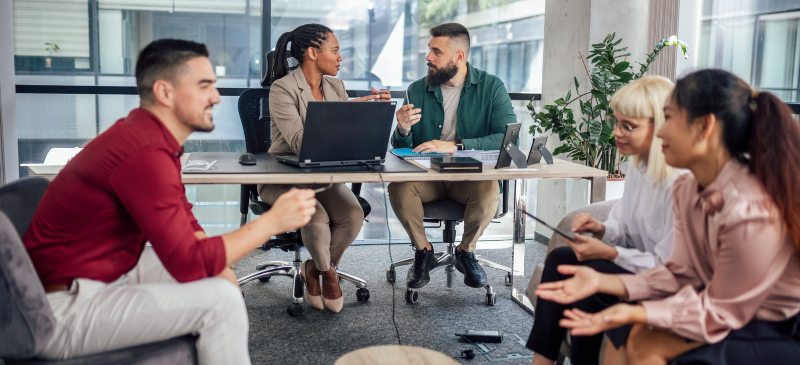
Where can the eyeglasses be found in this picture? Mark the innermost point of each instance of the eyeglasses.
(626, 128)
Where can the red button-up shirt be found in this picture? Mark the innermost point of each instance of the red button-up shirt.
(122, 190)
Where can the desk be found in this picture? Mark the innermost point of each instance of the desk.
(559, 170)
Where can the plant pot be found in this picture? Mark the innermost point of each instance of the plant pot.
(614, 188)
(219, 70)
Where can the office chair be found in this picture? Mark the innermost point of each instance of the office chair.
(254, 113)
(452, 213)
(27, 322)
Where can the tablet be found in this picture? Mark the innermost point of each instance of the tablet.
(535, 156)
(512, 132)
(570, 236)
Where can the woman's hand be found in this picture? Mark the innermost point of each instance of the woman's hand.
(583, 223)
(382, 95)
(588, 248)
(581, 323)
(584, 282)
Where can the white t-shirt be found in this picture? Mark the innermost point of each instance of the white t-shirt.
(640, 225)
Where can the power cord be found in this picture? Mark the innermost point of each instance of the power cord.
(391, 259)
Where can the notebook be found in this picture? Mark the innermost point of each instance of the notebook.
(407, 154)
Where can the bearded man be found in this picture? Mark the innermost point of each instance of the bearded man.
(455, 107)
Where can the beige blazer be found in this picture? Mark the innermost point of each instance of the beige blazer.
(288, 102)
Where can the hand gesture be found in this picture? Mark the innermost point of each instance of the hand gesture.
(583, 223)
(584, 282)
(588, 248)
(382, 95)
(292, 210)
(589, 324)
(406, 117)
(436, 146)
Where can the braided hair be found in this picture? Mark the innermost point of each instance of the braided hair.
(302, 37)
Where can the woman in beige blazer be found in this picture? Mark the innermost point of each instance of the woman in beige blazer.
(339, 216)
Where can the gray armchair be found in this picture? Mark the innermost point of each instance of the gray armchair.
(26, 321)
(598, 211)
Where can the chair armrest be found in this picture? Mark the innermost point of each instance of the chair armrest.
(598, 211)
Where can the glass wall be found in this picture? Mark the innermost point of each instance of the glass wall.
(755, 39)
(384, 42)
(96, 42)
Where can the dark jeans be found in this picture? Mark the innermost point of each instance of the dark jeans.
(546, 335)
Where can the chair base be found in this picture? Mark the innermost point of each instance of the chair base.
(447, 260)
(267, 270)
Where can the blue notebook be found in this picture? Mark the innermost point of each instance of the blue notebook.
(407, 154)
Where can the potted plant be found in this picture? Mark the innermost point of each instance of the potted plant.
(222, 60)
(52, 48)
(590, 139)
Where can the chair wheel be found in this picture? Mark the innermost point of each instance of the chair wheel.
(491, 299)
(294, 309)
(391, 275)
(412, 296)
(508, 279)
(264, 279)
(362, 294)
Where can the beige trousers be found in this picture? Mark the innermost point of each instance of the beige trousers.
(480, 197)
(333, 227)
(147, 305)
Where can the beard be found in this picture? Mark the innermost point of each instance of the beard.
(438, 76)
(197, 122)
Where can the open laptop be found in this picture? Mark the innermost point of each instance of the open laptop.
(340, 133)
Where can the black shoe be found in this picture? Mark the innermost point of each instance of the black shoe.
(418, 275)
(467, 264)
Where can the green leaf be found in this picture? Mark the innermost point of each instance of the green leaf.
(577, 86)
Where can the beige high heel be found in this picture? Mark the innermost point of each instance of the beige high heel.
(315, 301)
(335, 305)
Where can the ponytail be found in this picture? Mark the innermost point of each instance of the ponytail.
(302, 37)
(775, 156)
(757, 128)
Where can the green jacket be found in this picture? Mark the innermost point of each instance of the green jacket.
(483, 112)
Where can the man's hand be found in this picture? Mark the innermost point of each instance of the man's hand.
(588, 248)
(589, 324)
(228, 274)
(292, 210)
(583, 223)
(436, 146)
(406, 117)
(382, 95)
(584, 282)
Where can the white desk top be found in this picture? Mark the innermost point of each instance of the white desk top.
(560, 169)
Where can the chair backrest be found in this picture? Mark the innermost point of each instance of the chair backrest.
(26, 321)
(254, 114)
(19, 199)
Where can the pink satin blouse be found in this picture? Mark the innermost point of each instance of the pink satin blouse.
(732, 261)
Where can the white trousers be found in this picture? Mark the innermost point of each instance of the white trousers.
(147, 305)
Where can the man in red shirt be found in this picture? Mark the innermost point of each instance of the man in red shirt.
(87, 238)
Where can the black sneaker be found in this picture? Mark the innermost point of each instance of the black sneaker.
(418, 275)
(467, 264)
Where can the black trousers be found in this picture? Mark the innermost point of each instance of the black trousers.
(546, 335)
(758, 342)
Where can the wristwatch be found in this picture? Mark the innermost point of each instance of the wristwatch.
(459, 145)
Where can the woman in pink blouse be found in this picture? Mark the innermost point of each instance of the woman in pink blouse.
(733, 276)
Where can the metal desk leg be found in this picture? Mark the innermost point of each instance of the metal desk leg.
(518, 253)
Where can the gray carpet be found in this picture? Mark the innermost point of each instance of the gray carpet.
(321, 337)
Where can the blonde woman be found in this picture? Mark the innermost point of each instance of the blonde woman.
(638, 232)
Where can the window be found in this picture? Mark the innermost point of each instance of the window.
(96, 42)
(757, 40)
